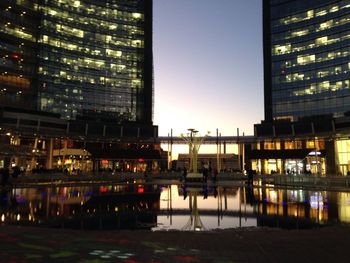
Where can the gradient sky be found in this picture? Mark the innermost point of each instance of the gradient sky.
(208, 65)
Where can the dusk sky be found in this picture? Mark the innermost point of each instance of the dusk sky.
(208, 65)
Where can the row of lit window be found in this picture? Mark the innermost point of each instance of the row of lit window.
(112, 82)
(98, 64)
(109, 11)
(90, 63)
(312, 74)
(321, 87)
(117, 30)
(65, 105)
(312, 58)
(16, 81)
(290, 145)
(18, 32)
(81, 20)
(311, 14)
(56, 42)
(125, 64)
(321, 41)
(312, 28)
(79, 101)
(124, 79)
(129, 62)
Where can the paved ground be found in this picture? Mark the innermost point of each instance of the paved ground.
(28, 244)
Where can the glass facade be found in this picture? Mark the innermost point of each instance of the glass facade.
(19, 22)
(307, 49)
(79, 57)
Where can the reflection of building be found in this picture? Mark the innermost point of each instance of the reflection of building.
(306, 88)
(298, 208)
(228, 162)
(81, 70)
(85, 207)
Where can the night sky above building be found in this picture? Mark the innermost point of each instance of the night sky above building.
(208, 65)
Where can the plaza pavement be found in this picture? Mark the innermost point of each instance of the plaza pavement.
(29, 244)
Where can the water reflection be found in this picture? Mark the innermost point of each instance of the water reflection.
(84, 207)
(203, 207)
(163, 207)
(300, 208)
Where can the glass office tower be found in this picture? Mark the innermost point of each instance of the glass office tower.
(78, 58)
(306, 58)
(19, 23)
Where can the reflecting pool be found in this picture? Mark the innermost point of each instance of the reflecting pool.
(136, 205)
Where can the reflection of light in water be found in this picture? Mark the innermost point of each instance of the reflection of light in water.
(316, 201)
(2, 218)
(18, 217)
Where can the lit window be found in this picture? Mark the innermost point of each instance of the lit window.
(279, 50)
(52, 12)
(310, 14)
(321, 40)
(326, 25)
(300, 33)
(76, 3)
(302, 60)
(45, 39)
(334, 9)
(136, 15)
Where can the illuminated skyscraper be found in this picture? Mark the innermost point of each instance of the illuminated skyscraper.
(306, 87)
(78, 58)
(306, 58)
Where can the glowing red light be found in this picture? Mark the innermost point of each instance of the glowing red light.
(15, 56)
(140, 190)
(141, 160)
(103, 189)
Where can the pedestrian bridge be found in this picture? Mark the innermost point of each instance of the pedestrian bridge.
(209, 139)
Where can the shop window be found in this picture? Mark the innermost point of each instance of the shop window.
(310, 144)
(269, 146)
